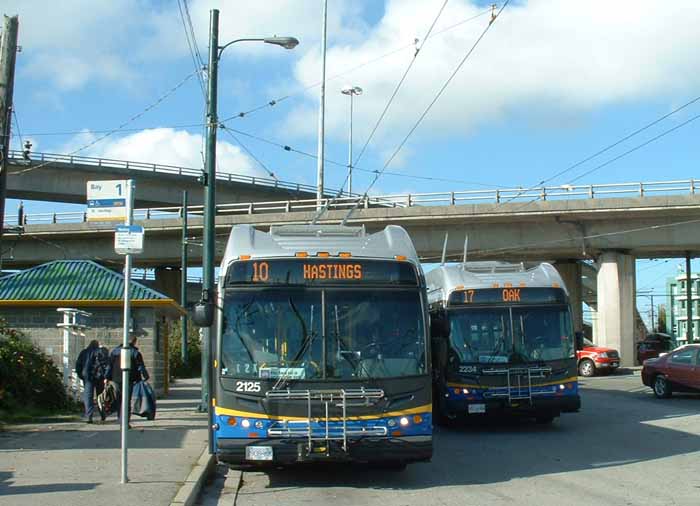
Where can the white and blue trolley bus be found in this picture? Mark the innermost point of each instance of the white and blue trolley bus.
(321, 348)
(503, 341)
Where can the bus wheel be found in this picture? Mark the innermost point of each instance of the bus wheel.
(544, 419)
(586, 368)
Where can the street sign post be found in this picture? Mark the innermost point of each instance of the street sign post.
(128, 239)
(114, 201)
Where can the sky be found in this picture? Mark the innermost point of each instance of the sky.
(550, 84)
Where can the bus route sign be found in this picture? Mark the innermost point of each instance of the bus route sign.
(128, 239)
(107, 200)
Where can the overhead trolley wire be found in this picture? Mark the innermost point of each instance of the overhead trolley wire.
(398, 85)
(442, 89)
(133, 118)
(412, 44)
(609, 147)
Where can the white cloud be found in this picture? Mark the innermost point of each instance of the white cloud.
(165, 146)
(543, 55)
(74, 42)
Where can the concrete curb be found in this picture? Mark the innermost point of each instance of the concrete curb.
(187, 495)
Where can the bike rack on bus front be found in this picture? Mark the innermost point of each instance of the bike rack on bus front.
(519, 391)
(340, 398)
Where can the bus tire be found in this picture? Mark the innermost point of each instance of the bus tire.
(391, 465)
(544, 419)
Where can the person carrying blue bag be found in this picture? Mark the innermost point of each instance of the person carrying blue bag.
(137, 373)
(143, 400)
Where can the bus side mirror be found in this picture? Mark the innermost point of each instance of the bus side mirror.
(203, 314)
(439, 325)
(578, 336)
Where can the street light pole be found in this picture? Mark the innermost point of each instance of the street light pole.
(209, 179)
(321, 113)
(350, 91)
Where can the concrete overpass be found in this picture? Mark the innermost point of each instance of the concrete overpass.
(62, 178)
(611, 231)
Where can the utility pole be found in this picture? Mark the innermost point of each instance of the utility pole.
(321, 113)
(209, 231)
(184, 353)
(8, 56)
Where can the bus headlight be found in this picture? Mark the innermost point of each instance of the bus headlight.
(245, 423)
(259, 424)
(403, 421)
(391, 423)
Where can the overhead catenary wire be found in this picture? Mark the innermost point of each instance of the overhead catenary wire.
(192, 44)
(398, 85)
(133, 118)
(250, 153)
(273, 102)
(442, 89)
(607, 148)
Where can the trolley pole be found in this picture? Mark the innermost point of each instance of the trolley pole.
(184, 353)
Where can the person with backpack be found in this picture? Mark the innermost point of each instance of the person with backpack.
(89, 368)
(137, 372)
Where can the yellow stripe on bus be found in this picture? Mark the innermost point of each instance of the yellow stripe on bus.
(248, 414)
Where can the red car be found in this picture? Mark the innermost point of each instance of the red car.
(677, 371)
(593, 359)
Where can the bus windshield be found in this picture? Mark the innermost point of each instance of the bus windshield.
(511, 334)
(279, 333)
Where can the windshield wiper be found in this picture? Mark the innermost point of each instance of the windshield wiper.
(344, 353)
(282, 381)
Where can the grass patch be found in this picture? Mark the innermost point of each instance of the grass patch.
(34, 414)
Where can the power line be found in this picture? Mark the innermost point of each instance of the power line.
(133, 118)
(192, 45)
(606, 149)
(399, 84)
(274, 102)
(90, 131)
(19, 130)
(291, 149)
(250, 153)
(494, 17)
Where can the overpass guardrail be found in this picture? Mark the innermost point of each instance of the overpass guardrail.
(499, 196)
(17, 158)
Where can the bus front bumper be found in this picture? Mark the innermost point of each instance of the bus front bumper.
(406, 449)
(539, 406)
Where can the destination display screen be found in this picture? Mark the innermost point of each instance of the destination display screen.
(508, 295)
(317, 271)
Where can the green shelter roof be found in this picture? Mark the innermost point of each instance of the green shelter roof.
(72, 280)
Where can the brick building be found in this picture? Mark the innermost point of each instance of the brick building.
(29, 300)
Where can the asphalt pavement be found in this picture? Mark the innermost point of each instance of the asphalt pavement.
(625, 447)
(79, 464)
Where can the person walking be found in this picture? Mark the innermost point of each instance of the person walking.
(137, 372)
(89, 370)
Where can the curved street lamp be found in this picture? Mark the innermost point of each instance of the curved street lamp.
(204, 309)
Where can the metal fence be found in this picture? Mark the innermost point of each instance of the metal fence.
(17, 157)
(500, 196)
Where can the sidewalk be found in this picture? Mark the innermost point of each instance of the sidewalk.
(79, 464)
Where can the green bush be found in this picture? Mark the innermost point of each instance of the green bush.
(28, 378)
(193, 368)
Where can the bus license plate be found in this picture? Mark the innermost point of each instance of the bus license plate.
(476, 408)
(258, 453)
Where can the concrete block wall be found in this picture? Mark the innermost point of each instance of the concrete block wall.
(39, 324)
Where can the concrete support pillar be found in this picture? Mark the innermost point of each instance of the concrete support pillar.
(570, 271)
(616, 304)
(167, 282)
